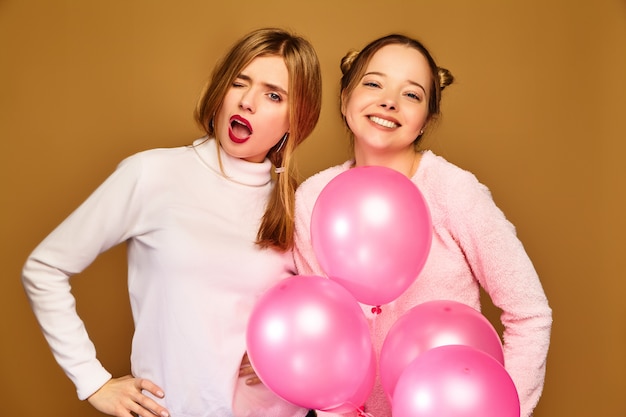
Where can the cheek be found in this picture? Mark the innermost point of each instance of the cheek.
(420, 118)
(281, 120)
(221, 122)
(349, 119)
(350, 109)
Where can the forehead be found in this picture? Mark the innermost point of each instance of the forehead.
(267, 70)
(400, 60)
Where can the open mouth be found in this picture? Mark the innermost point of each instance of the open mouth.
(383, 122)
(240, 129)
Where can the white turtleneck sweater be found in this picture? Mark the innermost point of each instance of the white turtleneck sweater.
(194, 275)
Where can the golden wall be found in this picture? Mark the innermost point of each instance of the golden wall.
(537, 113)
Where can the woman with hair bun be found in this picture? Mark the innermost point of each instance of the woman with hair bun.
(390, 96)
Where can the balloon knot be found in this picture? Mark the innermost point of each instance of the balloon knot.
(376, 310)
(361, 413)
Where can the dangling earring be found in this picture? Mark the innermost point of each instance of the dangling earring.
(281, 169)
(282, 142)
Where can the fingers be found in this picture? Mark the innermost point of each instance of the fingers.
(147, 407)
(245, 360)
(246, 370)
(151, 387)
(121, 396)
(253, 381)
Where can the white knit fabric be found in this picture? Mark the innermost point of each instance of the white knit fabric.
(194, 275)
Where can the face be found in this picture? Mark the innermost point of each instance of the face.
(389, 107)
(254, 115)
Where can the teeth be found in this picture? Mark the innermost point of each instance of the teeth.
(383, 122)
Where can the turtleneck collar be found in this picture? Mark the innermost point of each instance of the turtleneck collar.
(253, 174)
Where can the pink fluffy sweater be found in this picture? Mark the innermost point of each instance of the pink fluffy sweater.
(473, 246)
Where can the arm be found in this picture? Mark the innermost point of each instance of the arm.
(107, 218)
(305, 259)
(304, 256)
(502, 267)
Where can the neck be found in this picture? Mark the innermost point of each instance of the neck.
(405, 162)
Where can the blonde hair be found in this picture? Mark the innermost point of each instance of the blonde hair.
(305, 99)
(354, 64)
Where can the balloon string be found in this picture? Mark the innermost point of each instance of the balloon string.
(376, 310)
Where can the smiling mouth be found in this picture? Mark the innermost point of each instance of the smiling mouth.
(382, 122)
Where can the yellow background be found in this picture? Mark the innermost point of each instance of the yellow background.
(538, 113)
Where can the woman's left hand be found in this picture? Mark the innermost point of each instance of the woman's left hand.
(246, 370)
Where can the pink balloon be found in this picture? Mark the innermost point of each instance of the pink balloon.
(309, 342)
(433, 324)
(371, 232)
(358, 399)
(457, 381)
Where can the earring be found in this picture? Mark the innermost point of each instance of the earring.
(282, 142)
(211, 122)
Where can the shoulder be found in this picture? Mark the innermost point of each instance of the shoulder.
(157, 156)
(448, 183)
(157, 161)
(436, 165)
(149, 169)
(310, 189)
(315, 183)
(436, 169)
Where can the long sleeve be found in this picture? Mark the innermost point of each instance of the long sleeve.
(189, 220)
(101, 222)
(306, 196)
(500, 264)
(306, 262)
(305, 259)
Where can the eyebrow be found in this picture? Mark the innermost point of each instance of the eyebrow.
(267, 85)
(415, 83)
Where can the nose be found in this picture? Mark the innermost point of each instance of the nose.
(247, 101)
(388, 103)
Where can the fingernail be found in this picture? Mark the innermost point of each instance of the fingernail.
(165, 413)
(161, 394)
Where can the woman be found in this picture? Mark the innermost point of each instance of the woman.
(390, 95)
(208, 230)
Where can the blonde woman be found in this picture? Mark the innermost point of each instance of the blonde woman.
(208, 229)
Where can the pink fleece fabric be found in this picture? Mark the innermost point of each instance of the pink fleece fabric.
(473, 245)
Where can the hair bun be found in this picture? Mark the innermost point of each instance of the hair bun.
(347, 61)
(445, 77)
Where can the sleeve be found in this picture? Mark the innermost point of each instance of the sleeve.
(105, 219)
(305, 259)
(304, 256)
(501, 265)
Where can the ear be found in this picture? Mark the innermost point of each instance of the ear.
(343, 104)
